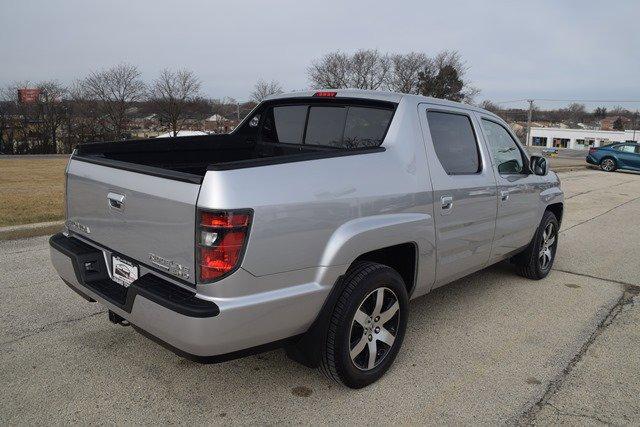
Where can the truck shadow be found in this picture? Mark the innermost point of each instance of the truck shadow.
(459, 336)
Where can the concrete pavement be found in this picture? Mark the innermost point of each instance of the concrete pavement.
(492, 347)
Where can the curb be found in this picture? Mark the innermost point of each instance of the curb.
(14, 232)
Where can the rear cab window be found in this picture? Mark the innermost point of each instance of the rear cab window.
(345, 124)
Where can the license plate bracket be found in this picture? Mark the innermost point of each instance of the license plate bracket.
(123, 271)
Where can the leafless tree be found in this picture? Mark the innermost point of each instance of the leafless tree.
(87, 120)
(115, 89)
(490, 106)
(171, 93)
(52, 112)
(262, 89)
(404, 71)
(332, 71)
(369, 69)
(365, 69)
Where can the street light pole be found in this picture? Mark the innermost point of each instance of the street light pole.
(529, 141)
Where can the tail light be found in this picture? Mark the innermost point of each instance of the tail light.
(222, 238)
(592, 150)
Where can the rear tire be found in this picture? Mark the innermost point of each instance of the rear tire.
(536, 261)
(367, 325)
(608, 164)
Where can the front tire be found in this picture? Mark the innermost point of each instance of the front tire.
(367, 325)
(608, 164)
(537, 260)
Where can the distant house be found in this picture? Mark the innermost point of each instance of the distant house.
(216, 118)
(182, 133)
(219, 124)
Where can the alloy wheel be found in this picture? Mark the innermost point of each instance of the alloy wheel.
(374, 328)
(608, 165)
(545, 255)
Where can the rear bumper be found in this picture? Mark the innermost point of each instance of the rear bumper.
(192, 326)
(591, 160)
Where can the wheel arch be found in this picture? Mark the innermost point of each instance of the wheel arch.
(557, 209)
(402, 257)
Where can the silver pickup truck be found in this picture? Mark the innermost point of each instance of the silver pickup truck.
(310, 226)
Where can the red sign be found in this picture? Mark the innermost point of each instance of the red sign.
(28, 96)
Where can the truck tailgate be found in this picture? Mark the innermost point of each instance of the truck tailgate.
(149, 219)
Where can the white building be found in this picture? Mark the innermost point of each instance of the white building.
(579, 138)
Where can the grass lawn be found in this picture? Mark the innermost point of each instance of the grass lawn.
(31, 190)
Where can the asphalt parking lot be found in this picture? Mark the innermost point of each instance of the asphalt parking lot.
(492, 347)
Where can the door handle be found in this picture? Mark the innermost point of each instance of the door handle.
(504, 195)
(446, 203)
(116, 201)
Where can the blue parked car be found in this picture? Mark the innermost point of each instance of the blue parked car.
(623, 155)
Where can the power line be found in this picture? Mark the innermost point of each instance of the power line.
(625, 101)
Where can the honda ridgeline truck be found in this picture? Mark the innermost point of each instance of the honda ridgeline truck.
(310, 226)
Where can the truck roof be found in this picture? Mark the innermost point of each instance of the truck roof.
(378, 95)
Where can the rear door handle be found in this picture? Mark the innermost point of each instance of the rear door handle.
(446, 203)
(116, 201)
(504, 195)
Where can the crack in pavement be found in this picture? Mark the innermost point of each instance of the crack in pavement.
(571, 414)
(598, 189)
(596, 277)
(49, 327)
(599, 215)
(529, 415)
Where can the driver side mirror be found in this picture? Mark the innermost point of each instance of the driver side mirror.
(539, 165)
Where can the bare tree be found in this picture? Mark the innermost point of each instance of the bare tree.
(369, 69)
(415, 72)
(490, 106)
(115, 89)
(52, 112)
(332, 71)
(171, 93)
(404, 71)
(262, 89)
(576, 113)
(365, 69)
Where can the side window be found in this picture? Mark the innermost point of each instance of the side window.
(454, 142)
(285, 124)
(504, 149)
(626, 148)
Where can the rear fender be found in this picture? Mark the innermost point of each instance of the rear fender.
(366, 234)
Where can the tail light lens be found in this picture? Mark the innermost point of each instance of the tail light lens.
(592, 150)
(222, 238)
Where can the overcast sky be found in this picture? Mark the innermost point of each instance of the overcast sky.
(538, 49)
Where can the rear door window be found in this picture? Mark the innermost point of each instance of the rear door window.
(454, 142)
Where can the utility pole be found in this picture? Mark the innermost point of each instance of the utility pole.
(635, 120)
(529, 142)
